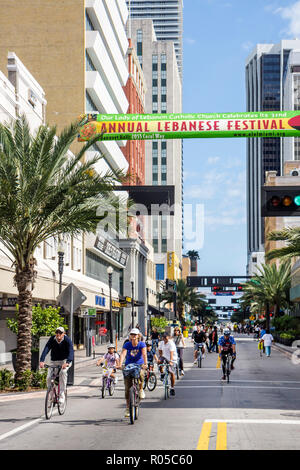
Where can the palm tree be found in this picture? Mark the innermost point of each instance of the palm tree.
(269, 287)
(184, 296)
(193, 254)
(44, 192)
(291, 235)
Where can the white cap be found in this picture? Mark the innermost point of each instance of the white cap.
(61, 329)
(134, 331)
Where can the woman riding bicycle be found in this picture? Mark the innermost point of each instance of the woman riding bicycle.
(134, 352)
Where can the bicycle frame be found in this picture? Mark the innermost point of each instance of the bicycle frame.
(199, 354)
(53, 392)
(134, 400)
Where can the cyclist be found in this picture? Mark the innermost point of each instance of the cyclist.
(62, 354)
(111, 361)
(227, 346)
(199, 337)
(167, 352)
(134, 352)
(151, 356)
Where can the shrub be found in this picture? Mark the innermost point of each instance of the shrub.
(39, 378)
(6, 379)
(24, 383)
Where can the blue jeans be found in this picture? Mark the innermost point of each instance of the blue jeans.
(268, 350)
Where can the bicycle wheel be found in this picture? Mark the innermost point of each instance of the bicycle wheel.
(167, 388)
(103, 389)
(152, 381)
(111, 387)
(145, 381)
(131, 404)
(62, 406)
(49, 401)
(136, 406)
(177, 371)
(199, 359)
(228, 365)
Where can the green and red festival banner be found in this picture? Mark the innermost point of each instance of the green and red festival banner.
(181, 126)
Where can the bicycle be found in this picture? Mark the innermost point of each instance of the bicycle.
(53, 392)
(166, 382)
(134, 398)
(108, 382)
(150, 380)
(228, 366)
(199, 354)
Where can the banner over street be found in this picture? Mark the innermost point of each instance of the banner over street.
(181, 126)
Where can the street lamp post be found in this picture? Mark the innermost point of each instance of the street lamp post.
(61, 253)
(132, 301)
(110, 272)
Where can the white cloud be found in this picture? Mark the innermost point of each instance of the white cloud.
(292, 15)
(247, 45)
(213, 160)
(190, 41)
(200, 192)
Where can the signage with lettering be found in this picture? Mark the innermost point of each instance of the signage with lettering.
(109, 249)
(99, 300)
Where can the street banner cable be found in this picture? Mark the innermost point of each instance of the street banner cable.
(181, 126)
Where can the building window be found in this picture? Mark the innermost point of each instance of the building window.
(88, 23)
(89, 66)
(160, 272)
(139, 42)
(89, 103)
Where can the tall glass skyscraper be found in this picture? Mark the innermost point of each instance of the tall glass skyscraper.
(266, 72)
(167, 17)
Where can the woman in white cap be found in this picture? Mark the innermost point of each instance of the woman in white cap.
(134, 352)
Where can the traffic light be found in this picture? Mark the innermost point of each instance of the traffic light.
(280, 201)
(239, 288)
(216, 289)
(235, 301)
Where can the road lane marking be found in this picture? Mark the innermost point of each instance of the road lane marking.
(222, 436)
(254, 421)
(20, 428)
(203, 441)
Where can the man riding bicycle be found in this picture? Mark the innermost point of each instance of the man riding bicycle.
(199, 337)
(227, 346)
(62, 354)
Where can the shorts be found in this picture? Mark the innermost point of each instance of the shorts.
(128, 382)
(196, 346)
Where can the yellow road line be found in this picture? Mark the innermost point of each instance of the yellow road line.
(222, 436)
(218, 363)
(203, 441)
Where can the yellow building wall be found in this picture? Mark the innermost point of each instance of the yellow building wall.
(173, 266)
(48, 36)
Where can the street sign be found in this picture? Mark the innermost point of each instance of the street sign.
(71, 294)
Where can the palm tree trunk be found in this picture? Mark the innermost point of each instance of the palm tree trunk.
(24, 279)
(267, 316)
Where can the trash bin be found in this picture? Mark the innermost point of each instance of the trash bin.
(185, 333)
(70, 380)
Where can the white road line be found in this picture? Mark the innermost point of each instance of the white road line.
(254, 421)
(20, 428)
(225, 385)
(246, 381)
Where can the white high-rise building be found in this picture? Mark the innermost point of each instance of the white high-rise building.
(167, 20)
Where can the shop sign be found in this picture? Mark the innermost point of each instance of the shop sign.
(111, 250)
(99, 300)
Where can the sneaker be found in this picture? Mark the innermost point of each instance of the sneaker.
(172, 391)
(195, 361)
(182, 372)
(142, 394)
(116, 380)
(232, 367)
(127, 414)
(162, 376)
(223, 378)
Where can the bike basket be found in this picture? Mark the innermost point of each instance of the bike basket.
(132, 370)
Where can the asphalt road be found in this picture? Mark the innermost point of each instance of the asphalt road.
(258, 410)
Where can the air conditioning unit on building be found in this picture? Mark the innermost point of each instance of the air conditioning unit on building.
(295, 172)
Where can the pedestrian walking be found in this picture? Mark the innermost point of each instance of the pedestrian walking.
(180, 345)
(214, 340)
(268, 340)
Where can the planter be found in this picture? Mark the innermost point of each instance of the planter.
(35, 360)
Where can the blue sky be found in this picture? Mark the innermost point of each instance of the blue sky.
(218, 37)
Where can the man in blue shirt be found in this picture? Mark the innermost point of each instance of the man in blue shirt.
(62, 354)
(227, 346)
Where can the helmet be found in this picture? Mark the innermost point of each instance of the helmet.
(109, 346)
(226, 332)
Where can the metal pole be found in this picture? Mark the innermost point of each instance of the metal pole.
(110, 310)
(132, 304)
(71, 312)
(60, 268)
